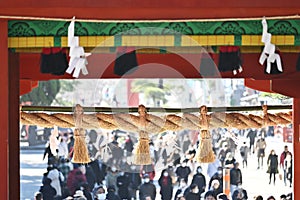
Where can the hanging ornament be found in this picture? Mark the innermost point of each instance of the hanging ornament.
(230, 59)
(53, 60)
(126, 61)
(78, 58)
(142, 150)
(80, 154)
(205, 152)
(269, 55)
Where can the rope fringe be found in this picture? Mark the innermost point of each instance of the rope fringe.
(156, 124)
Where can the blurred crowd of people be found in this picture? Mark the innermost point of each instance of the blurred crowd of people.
(173, 174)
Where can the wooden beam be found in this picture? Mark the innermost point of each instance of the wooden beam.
(296, 144)
(289, 88)
(13, 138)
(162, 66)
(260, 85)
(26, 86)
(5, 116)
(148, 4)
(285, 87)
(134, 9)
(30, 68)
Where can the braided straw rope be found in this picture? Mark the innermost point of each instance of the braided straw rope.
(157, 124)
(295, 16)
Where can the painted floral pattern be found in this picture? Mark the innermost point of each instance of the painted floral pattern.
(125, 29)
(46, 27)
(19, 29)
(283, 28)
(204, 28)
(178, 28)
(98, 28)
(80, 30)
(231, 28)
(28, 28)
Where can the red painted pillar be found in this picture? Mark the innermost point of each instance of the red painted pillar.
(132, 97)
(296, 127)
(4, 111)
(13, 124)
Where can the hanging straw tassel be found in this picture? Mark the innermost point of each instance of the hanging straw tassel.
(80, 154)
(205, 152)
(142, 151)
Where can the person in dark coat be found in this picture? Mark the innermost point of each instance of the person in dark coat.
(38, 196)
(252, 135)
(235, 177)
(147, 197)
(111, 193)
(128, 145)
(217, 176)
(71, 143)
(99, 170)
(288, 166)
(182, 187)
(75, 179)
(176, 158)
(147, 188)
(90, 177)
(244, 151)
(103, 170)
(186, 143)
(47, 152)
(240, 194)
(134, 181)
(229, 160)
(99, 193)
(271, 197)
(216, 188)
(222, 196)
(124, 166)
(148, 169)
(259, 197)
(47, 190)
(272, 166)
(86, 191)
(260, 146)
(166, 187)
(199, 180)
(91, 149)
(209, 195)
(193, 194)
(164, 155)
(283, 164)
(117, 151)
(183, 171)
(123, 185)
